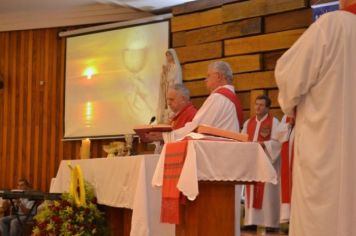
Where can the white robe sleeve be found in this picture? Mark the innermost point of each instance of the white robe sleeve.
(283, 130)
(273, 146)
(244, 128)
(297, 70)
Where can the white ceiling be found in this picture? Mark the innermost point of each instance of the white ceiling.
(34, 14)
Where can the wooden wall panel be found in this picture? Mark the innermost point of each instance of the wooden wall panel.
(24, 105)
(12, 105)
(178, 39)
(197, 88)
(260, 43)
(288, 20)
(196, 6)
(254, 8)
(196, 20)
(4, 62)
(198, 101)
(239, 64)
(244, 99)
(273, 94)
(219, 32)
(312, 2)
(252, 81)
(270, 59)
(200, 52)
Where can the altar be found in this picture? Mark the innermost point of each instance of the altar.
(126, 182)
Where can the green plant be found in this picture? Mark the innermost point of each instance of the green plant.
(65, 218)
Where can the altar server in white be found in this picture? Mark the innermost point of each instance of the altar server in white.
(262, 199)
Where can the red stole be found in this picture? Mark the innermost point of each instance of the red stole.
(286, 170)
(264, 134)
(185, 115)
(173, 164)
(234, 99)
(351, 8)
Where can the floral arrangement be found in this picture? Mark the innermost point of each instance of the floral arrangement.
(66, 218)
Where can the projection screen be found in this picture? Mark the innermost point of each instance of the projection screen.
(112, 80)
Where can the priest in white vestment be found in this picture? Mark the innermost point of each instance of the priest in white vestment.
(262, 202)
(317, 78)
(217, 111)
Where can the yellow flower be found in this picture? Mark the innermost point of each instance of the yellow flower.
(49, 226)
(80, 218)
(69, 210)
(36, 231)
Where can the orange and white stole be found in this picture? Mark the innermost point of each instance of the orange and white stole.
(264, 134)
(173, 164)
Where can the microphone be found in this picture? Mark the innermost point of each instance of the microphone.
(152, 120)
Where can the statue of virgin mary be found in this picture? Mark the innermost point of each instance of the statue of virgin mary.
(171, 74)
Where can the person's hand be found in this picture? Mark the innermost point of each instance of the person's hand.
(154, 136)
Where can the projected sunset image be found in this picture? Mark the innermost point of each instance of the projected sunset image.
(112, 80)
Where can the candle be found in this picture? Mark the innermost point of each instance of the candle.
(85, 149)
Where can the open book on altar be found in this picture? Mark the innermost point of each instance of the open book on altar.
(205, 129)
(141, 130)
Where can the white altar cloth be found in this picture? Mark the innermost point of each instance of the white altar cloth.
(219, 161)
(122, 182)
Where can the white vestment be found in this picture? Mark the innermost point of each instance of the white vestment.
(268, 215)
(217, 111)
(318, 77)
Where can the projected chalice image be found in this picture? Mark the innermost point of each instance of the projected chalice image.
(134, 61)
